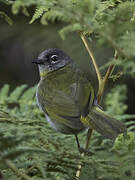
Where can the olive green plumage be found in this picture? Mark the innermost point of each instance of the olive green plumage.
(67, 97)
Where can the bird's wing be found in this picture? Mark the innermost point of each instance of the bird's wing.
(66, 104)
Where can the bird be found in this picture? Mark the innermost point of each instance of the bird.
(68, 99)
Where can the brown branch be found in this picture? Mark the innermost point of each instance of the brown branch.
(108, 73)
(104, 81)
(91, 54)
(89, 134)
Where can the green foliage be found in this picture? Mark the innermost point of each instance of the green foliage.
(122, 143)
(34, 147)
(6, 18)
(111, 22)
(115, 105)
(115, 100)
(38, 12)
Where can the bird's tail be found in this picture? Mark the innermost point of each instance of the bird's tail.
(104, 124)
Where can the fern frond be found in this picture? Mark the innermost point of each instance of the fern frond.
(53, 15)
(114, 100)
(6, 18)
(130, 122)
(28, 94)
(70, 28)
(4, 92)
(8, 2)
(128, 142)
(16, 7)
(38, 13)
(131, 128)
(15, 94)
(25, 11)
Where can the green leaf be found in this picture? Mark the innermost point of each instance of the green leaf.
(115, 100)
(38, 13)
(70, 28)
(6, 18)
(28, 94)
(4, 92)
(15, 94)
(16, 7)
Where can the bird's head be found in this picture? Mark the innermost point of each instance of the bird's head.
(51, 60)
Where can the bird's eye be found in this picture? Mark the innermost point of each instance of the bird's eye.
(54, 58)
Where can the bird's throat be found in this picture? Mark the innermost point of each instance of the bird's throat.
(43, 73)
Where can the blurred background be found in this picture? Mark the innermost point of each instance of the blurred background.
(22, 42)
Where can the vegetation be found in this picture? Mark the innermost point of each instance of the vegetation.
(29, 148)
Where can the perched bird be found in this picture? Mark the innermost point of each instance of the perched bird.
(68, 99)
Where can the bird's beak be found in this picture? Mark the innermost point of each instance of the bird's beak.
(37, 61)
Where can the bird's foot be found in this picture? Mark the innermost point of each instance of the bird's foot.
(85, 151)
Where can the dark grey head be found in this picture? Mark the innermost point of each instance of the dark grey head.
(52, 59)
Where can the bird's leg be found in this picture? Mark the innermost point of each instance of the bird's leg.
(77, 141)
(81, 149)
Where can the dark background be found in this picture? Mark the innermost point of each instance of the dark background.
(22, 42)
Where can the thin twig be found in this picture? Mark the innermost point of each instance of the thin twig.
(110, 69)
(89, 134)
(79, 168)
(108, 73)
(104, 81)
(16, 171)
(92, 57)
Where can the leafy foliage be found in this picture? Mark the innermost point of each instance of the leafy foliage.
(6, 18)
(28, 140)
(111, 22)
(115, 100)
(115, 103)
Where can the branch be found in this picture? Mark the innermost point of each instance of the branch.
(104, 81)
(89, 134)
(108, 73)
(110, 69)
(92, 58)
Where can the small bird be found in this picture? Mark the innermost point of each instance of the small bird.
(68, 100)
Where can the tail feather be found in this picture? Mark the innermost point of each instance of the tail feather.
(104, 124)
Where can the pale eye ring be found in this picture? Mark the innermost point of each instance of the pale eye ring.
(54, 58)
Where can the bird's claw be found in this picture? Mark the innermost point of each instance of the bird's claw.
(85, 151)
